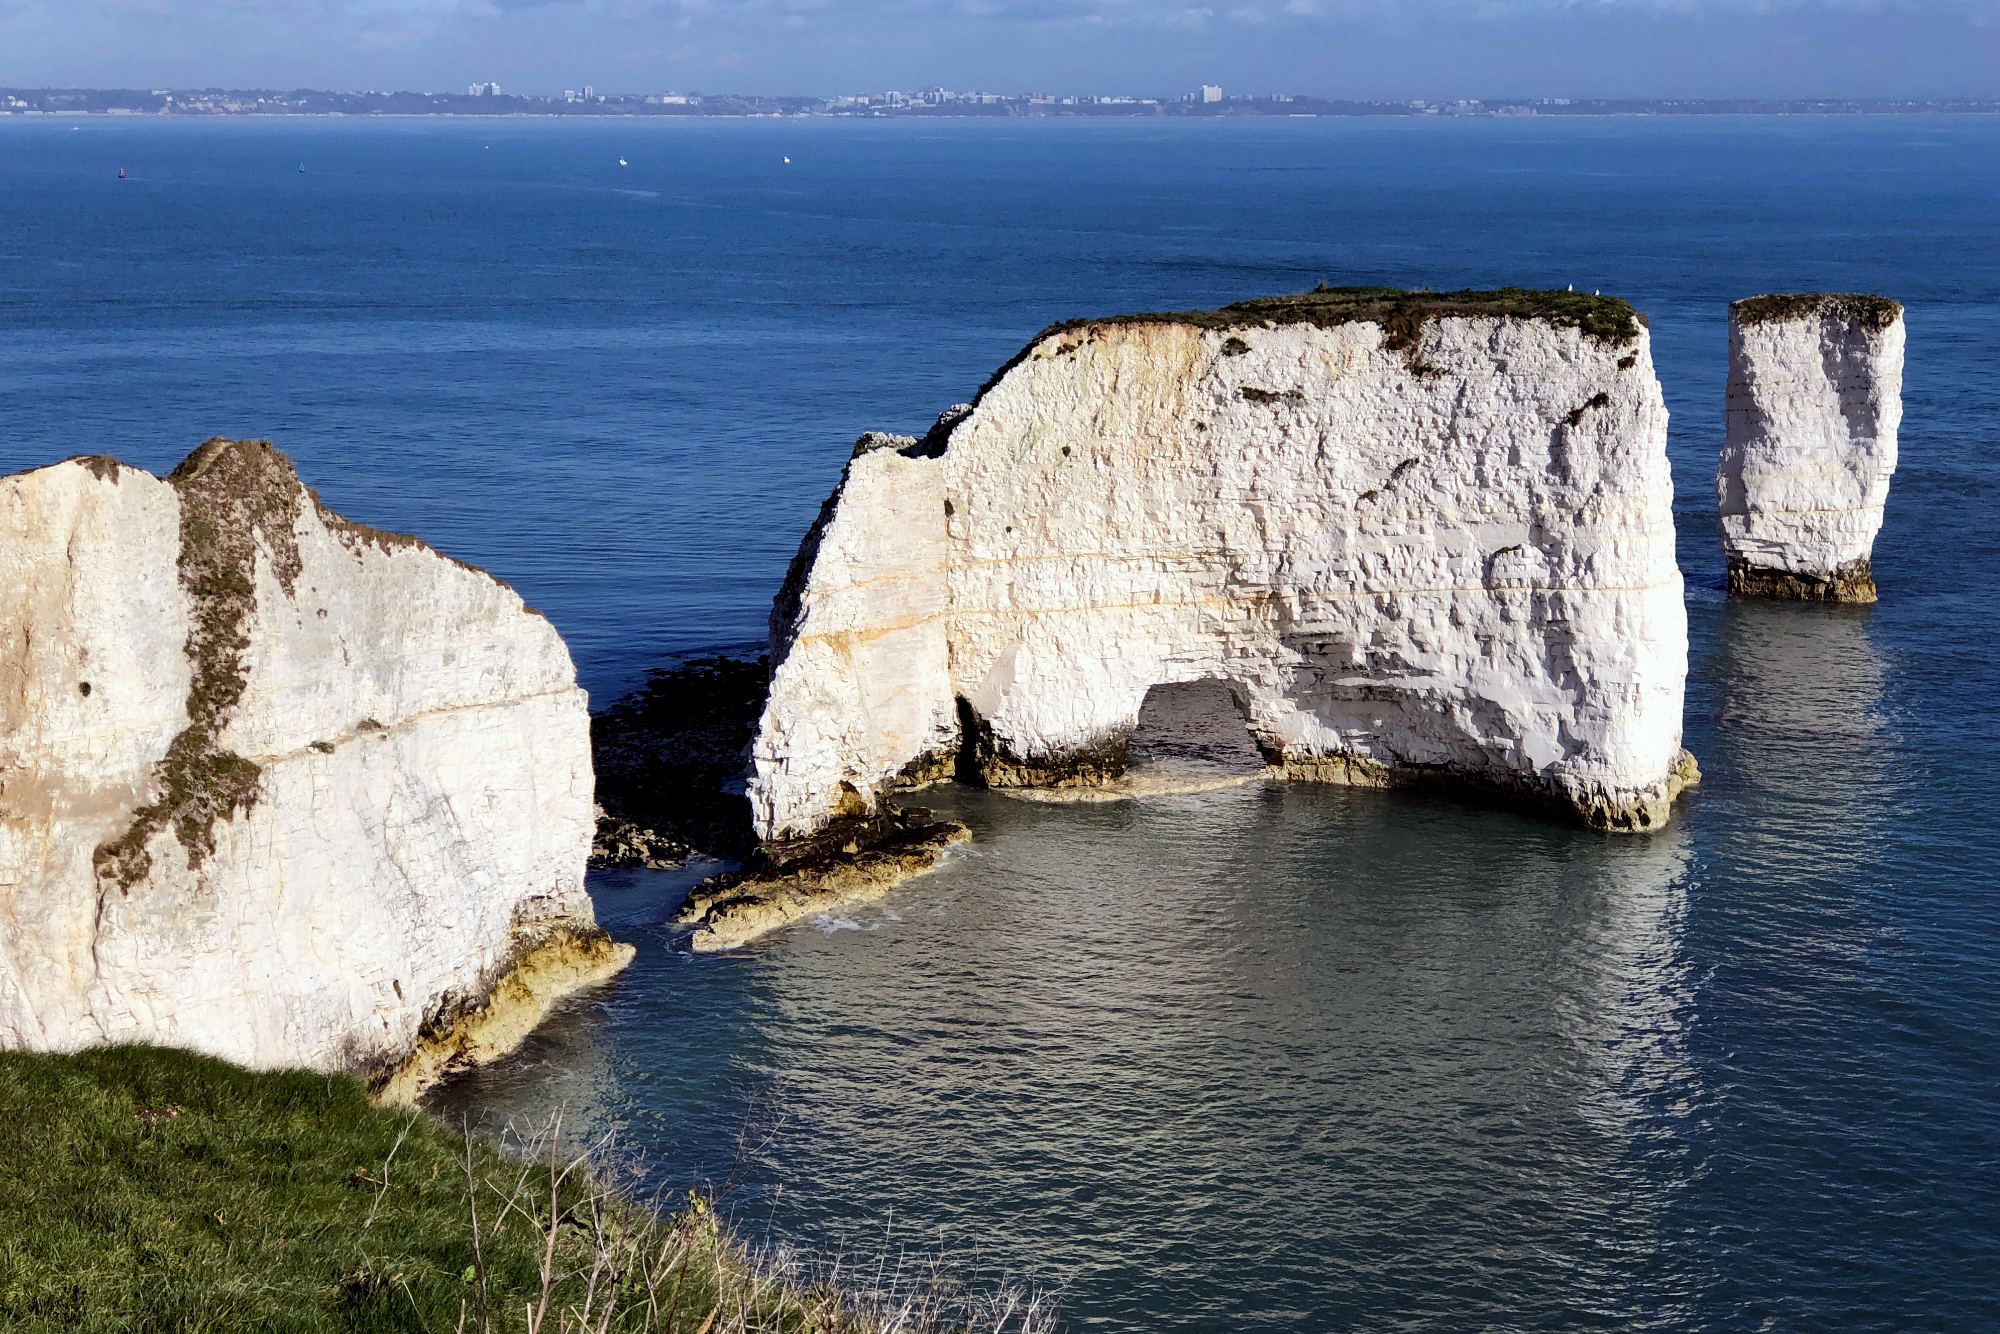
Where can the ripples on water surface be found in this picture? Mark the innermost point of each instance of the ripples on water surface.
(1259, 1058)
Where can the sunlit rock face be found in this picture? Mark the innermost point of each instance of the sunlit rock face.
(1815, 398)
(273, 785)
(1422, 539)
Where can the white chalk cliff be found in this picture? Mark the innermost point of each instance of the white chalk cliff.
(1815, 399)
(276, 786)
(1423, 539)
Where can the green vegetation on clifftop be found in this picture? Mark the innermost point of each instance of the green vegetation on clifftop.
(1401, 313)
(1873, 312)
(147, 1189)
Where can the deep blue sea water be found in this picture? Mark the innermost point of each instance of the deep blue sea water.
(1263, 1059)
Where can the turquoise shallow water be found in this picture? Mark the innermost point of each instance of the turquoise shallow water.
(1264, 1058)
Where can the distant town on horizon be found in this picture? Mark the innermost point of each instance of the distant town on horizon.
(488, 99)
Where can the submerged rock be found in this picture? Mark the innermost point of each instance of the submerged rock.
(1421, 538)
(276, 786)
(1815, 399)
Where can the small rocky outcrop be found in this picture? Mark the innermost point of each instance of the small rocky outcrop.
(277, 786)
(854, 859)
(622, 845)
(1422, 539)
(1815, 400)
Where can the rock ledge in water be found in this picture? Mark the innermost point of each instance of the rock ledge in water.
(620, 844)
(853, 860)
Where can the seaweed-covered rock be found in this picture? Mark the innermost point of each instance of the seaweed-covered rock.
(620, 844)
(854, 859)
(274, 785)
(670, 756)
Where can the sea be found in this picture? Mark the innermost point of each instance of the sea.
(1265, 1058)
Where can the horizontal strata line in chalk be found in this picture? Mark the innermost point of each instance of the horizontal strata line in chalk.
(342, 738)
(878, 631)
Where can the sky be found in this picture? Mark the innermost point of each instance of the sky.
(1335, 48)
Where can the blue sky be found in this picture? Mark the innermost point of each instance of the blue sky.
(1344, 48)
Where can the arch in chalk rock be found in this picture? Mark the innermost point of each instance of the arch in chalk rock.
(1198, 724)
(1424, 540)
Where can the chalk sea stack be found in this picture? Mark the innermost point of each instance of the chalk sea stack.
(1424, 539)
(276, 786)
(1815, 399)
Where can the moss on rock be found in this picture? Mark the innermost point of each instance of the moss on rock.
(1870, 312)
(236, 497)
(1401, 313)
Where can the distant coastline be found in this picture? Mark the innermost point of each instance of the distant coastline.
(925, 103)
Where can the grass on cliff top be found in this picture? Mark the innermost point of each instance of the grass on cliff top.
(1871, 312)
(148, 1189)
(1402, 312)
(1399, 311)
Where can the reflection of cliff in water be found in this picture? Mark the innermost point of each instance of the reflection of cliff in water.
(579, 1062)
(1265, 1046)
(1801, 676)
(1797, 733)
(1629, 1008)
(1302, 1057)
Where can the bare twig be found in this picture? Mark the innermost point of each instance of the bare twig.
(382, 1187)
(483, 1324)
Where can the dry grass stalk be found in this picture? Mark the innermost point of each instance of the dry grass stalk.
(609, 1264)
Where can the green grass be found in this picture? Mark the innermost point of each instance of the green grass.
(149, 1189)
(1401, 313)
(1399, 310)
(1873, 312)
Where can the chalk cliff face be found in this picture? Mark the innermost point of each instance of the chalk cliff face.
(1815, 398)
(276, 786)
(1421, 538)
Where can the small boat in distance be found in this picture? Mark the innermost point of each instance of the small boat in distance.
(302, 168)
(121, 173)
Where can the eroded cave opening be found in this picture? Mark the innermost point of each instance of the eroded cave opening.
(1196, 726)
